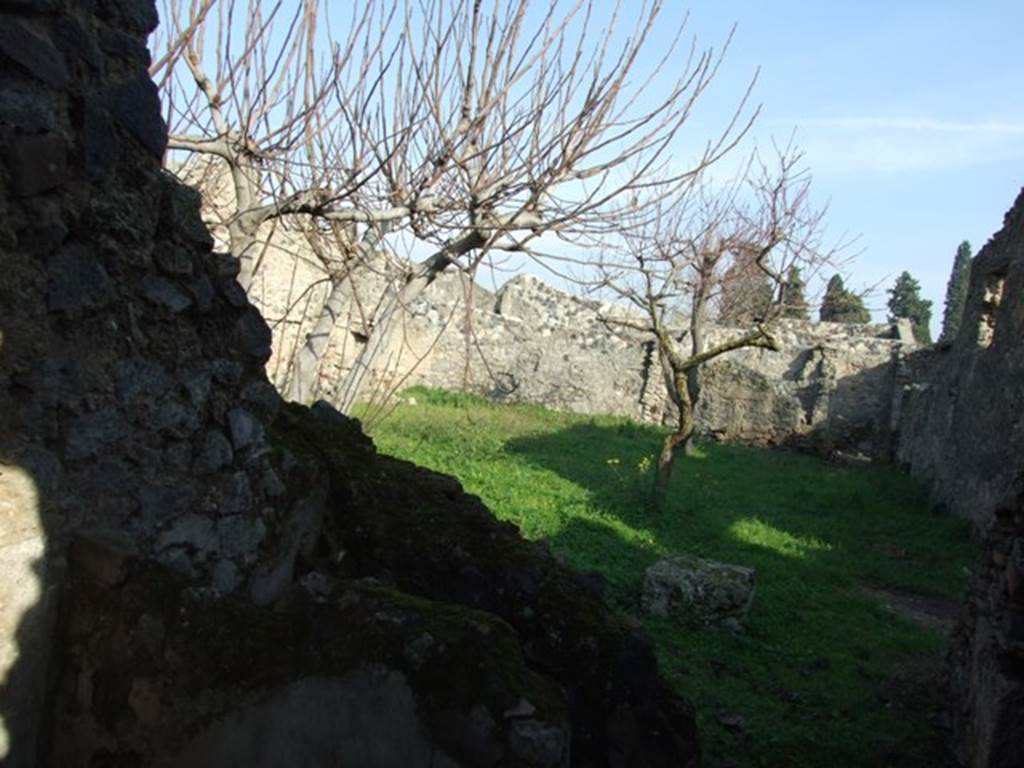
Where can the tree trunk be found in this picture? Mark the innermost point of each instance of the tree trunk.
(306, 366)
(379, 334)
(683, 433)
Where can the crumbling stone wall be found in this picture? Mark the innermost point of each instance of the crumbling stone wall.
(960, 428)
(831, 387)
(961, 433)
(171, 537)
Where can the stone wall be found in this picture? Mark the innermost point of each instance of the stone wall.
(961, 432)
(184, 562)
(831, 387)
(960, 424)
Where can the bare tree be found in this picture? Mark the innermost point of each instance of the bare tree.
(473, 127)
(695, 251)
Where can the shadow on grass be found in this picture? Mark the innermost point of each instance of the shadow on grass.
(805, 674)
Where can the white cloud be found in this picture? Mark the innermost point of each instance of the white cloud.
(884, 144)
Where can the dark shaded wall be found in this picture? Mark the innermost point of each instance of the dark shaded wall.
(961, 423)
(185, 580)
(132, 392)
(961, 431)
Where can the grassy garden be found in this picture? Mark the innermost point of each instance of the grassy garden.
(825, 673)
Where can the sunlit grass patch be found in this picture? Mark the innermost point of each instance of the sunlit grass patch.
(806, 673)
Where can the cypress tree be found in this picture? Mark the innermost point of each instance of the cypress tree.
(794, 302)
(841, 305)
(905, 302)
(956, 292)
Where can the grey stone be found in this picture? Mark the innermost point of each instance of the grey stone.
(193, 531)
(136, 378)
(215, 454)
(706, 590)
(225, 577)
(252, 334)
(36, 55)
(94, 432)
(165, 294)
(240, 536)
(29, 110)
(135, 105)
(198, 383)
(173, 259)
(77, 280)
(161, 503)
(245, 429)
(235, 494)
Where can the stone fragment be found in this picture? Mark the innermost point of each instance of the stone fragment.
(77, 280)
(165, 294)
(707, 590)
(215, 453)
(245, 429)
(135, 105)
(92, 433)
(193, 531)
(198, 382)
(177, 559)
(36, 55)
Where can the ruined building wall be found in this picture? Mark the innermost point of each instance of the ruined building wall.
(831, 386)
(961, 432)
(171, 581)
(960, 424)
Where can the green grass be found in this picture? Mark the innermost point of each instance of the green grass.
(806, 673)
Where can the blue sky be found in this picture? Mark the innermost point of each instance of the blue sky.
(911, 115)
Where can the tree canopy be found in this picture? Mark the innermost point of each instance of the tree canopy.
(841, 305)
(956, 292)
(905, 302)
